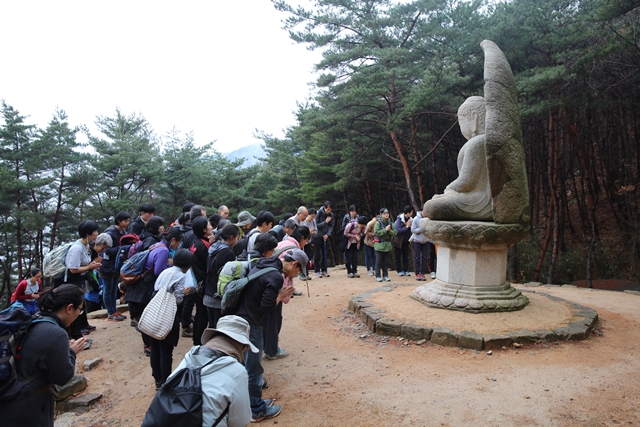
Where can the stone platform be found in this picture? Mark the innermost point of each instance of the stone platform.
(389, 310)
(472, 266)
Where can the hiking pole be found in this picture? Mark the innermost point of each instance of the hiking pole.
(307, 282)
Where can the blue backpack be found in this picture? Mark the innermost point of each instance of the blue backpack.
(133, 269)
(15, 322)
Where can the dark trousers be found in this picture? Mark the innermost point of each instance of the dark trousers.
(352, 258)
(187, 308)
(271, 331)
(201, 320)
(318, 253)
(161, 359)
(81, 322)
(433, 258)
(308, 249)
(420, 257)
(402, 257)
(213, 315)
(382, 263)
(253, 365)
(135, 310)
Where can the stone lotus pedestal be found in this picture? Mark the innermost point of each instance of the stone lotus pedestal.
(472, 266)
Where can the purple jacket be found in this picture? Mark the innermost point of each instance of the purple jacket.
(158, 258)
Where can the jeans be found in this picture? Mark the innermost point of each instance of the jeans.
(369, 257)
(352, 258)
(253, 365)
(420, 257)
(110, 293)
(382, 262)
(161, 359)
(402, 257)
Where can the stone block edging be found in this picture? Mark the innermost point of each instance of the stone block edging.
(376, 319)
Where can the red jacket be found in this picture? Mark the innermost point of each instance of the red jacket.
(19, 295)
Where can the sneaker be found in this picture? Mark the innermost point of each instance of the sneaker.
(356, 275)
(370, 273)
(187, 332)
(419, 277)
(350, 275)
(115, 317)
(325, 274)
(264, 383)
(91, 328)
(85, 332)
(158, 385)
(87, 344)
(400, 273)
(386, 279)
(318, 275)
(121, 315)
(297, 293)
(133, 323)
(271, 412)
(407, 274)
(378, 279)
(269, 402)
(433, 274)
(281, 354)
(147, 351)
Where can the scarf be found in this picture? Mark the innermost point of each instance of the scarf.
(226, 345)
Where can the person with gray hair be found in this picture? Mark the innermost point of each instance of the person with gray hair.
(302, 215)
(103, 240)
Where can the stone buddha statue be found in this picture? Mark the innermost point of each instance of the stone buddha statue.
(469, 196)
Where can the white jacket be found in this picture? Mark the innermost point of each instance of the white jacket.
(418, 237)
(224, 382)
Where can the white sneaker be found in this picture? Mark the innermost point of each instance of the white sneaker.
(370, 273)
(400, 273)
(318, 275)
(433, 274)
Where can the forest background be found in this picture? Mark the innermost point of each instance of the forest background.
(380, 130)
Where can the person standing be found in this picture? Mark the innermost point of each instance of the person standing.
(145, 211)
(261, 296)
(325, 222)
(354, 232)
(203, 232)
(403, 229)
(421, 245)
(384, 232)
(109, 271)
(369, 251)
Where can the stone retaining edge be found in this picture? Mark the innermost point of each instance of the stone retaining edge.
(585, 319)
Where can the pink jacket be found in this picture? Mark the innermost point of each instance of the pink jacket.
(287, 243)
(351, 231)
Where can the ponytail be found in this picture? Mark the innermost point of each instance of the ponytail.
(53, 299)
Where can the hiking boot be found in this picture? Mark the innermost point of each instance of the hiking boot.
(297, 293)
(386, 279)
(350, 275)
(433, 274)
(281, 354)
(271, 412)
(187, 332)
(325, 274)
(115, 317)
(378, 279)
(269, 402)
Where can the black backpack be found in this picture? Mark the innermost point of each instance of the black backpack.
(240, 249)
(178, 403)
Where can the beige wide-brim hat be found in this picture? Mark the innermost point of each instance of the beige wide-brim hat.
(235, 327)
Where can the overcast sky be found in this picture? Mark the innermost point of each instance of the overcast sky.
(221, 69)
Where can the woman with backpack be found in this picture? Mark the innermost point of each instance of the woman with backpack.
(384, 232)
(28, 291)
(139, 294)
(161, 358)
(153, 231)
(46, 355)
(220, 252)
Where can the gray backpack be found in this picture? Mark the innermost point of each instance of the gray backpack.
(233, 289)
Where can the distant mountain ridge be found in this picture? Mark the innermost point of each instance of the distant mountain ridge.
(251, 154)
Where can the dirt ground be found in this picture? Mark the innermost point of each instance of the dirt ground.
(338, 374)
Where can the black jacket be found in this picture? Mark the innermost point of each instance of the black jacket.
(260, 296)
(219, 254)
(200, 250)
(109, 258)
(136, 226)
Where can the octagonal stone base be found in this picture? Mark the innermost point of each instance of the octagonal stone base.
(472, 267)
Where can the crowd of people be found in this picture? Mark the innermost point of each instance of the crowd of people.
(185, 256)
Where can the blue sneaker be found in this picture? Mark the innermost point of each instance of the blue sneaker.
(400, 273)
(271, 412)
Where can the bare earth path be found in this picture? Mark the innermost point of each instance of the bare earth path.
(339, 375)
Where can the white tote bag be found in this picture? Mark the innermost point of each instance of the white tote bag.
(158, 317)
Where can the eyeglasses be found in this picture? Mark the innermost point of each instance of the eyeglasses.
(81, 311)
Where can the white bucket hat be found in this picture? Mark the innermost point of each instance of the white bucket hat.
(235, 327)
